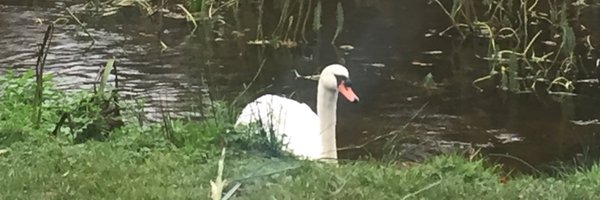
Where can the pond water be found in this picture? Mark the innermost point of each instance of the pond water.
(388, 38)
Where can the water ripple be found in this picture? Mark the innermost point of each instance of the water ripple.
(144, 71)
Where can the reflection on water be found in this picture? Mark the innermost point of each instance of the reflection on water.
(388, 38)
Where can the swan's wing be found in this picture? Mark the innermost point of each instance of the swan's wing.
(292, 122)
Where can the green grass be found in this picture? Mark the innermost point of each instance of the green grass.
(43, 169)
(140, 162)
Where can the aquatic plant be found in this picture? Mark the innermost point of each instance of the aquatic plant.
(531, 43)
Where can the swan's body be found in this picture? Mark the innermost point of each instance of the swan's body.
(304, 133)
(281, 115)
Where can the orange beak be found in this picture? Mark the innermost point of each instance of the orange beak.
(347, 92)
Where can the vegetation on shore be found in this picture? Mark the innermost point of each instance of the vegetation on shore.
(179, 161)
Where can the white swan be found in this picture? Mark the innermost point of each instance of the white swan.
(305, 134)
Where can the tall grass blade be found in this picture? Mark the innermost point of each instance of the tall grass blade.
(513, 67)
(317, 18)
(306, 20)
(107, 69)
(82, 26)
(189, 17)
(197, 5)
(300, 12)
(340, 22)
(39, 76)
(216, 186)
(282, 18)
(569, 39)
(229, 193)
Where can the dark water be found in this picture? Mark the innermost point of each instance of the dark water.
(387, 37)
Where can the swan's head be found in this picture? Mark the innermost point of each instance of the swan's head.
(336, 77)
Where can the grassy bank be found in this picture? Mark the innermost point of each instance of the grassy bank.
(43, 169)
(178, 160)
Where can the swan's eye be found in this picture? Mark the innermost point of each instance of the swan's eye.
(343, 79)
(348, 83)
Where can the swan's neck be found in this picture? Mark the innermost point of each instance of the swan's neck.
(326, 110)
